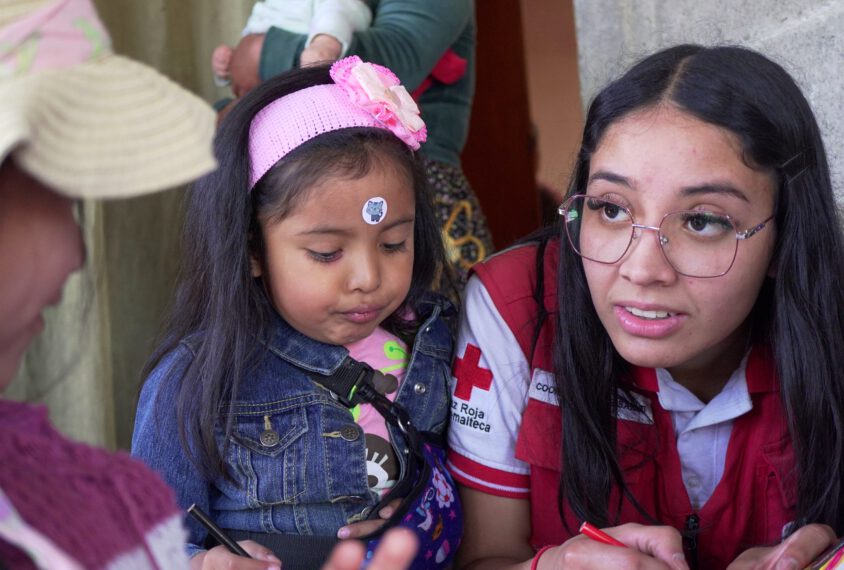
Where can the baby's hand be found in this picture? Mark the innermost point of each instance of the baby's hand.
(322, 48)
(221, 59)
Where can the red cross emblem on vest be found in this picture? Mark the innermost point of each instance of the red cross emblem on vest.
(469, 375)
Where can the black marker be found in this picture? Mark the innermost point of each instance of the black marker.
(217, 532)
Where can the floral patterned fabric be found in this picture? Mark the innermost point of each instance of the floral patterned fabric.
(465, 233)
(435, 515)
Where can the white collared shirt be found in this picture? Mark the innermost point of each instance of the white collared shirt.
(703, 430)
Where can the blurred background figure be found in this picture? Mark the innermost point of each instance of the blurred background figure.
(329, 25)
(77, 122)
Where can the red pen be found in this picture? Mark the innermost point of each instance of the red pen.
(595, 533)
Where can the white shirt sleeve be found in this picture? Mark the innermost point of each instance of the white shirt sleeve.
(339, 19)
(489, 389)
(294, 16)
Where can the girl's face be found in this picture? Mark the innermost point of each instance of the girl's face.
(333, 276)
(663, 160)
(40, 246)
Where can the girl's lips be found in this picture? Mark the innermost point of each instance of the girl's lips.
(362, 315)
(641, 325)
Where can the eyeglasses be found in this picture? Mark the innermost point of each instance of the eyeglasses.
(696, 243)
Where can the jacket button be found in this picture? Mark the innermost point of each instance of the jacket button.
(269, 438)
(350, 433)
(420, 388)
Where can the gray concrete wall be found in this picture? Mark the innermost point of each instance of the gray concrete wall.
(804, 36)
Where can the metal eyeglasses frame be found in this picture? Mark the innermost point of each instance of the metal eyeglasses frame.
(661, 239)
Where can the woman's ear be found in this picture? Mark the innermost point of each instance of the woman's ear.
(773, 269)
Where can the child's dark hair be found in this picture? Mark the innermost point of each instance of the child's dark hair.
(218, 300)
(799, 313)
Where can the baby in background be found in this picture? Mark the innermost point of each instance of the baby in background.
(328, 23)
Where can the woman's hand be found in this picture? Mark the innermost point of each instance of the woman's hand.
(795, 552)
(243, 67)
(362, 528)
(650, 547)
(219, 558)
(395, 552)
(497, 533)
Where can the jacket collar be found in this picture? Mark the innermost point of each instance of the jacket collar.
(314, 356)
(302, 351)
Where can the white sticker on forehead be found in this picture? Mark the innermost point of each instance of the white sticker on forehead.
(374, 210)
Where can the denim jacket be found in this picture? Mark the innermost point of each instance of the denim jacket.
(295, 453)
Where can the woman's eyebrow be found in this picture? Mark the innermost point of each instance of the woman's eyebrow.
(696, 190)
(715, 188)
(612, 177)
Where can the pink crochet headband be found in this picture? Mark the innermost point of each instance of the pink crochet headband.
(362, 95)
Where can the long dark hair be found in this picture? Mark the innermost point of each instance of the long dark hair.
(218, 299)
(799, 314)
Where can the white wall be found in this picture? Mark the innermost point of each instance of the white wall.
(804, 36)
(553, 87)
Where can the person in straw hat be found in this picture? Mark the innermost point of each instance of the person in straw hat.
(78, 121)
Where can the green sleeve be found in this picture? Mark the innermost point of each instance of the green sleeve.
(280, 52)
(408, 36)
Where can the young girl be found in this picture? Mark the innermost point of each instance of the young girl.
(314, 240)
(669, 355)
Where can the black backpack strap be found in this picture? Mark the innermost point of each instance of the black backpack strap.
(353, 384)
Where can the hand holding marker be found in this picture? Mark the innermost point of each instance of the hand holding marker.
(215, 531)
(597, 534)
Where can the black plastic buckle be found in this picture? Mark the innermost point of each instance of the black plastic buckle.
(346, 381)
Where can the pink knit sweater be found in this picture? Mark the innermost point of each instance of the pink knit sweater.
(105, 510)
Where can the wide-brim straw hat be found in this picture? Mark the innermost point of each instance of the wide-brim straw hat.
(103, 127)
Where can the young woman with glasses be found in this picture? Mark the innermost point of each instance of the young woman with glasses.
(666, 360)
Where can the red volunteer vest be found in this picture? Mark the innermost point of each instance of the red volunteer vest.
(756, 496)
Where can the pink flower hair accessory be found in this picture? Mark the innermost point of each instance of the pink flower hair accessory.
(377, 90)
(362, 95)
